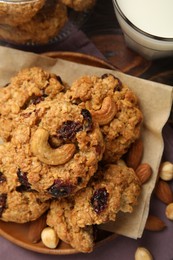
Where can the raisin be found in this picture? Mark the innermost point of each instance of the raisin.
(106, 75)
(6, 85)
(118, 87)
(25, 185)
(38, 201)
(99, 200)
(3, 198)
(36, 99)
(68, 130)
(2, 178)
(79, 180)
(60, 189)
(87, 119)
(59, 79)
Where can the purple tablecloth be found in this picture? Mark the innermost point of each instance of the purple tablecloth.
(159, 243)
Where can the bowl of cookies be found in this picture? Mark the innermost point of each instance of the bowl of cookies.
(37, 22)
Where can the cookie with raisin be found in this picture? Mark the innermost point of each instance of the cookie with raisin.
(18, 202)
(30, 86)
(58, 146)
(112, 189)
(59, 218)
(114, 106)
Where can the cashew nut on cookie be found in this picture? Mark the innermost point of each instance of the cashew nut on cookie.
(106, 113)
(45, 153)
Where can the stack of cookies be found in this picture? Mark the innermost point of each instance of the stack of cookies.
(36, 21)
(60, 152)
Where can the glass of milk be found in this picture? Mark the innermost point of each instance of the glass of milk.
(147, 26)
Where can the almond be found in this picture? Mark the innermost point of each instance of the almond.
(154, 223)
(144, 172)
(135, 154)
(163, 192)
(35, 229)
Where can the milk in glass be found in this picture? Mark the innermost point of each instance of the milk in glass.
(147, 25)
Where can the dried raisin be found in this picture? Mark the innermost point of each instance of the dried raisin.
(68, 130)
(87, 120)
(2, 178)
(22, 177)
(60, 189)
(118, 86)
(99, 200)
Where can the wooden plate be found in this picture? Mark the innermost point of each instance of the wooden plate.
(18, 233)
(82, 59)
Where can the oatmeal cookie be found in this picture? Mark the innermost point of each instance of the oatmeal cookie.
(58, 146)
(59, 218)
(112, 189)
(114, 106)
(45, 25)
(17, 13)
(29, 86)
(79, 5)
(18, 203)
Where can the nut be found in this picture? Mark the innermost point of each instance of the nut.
(169, 211)
(154, 223)
(121, 162)
(163, 192)
(135, 154)
(166, 171)
(107, 112)
(144, 172)
(49, 237)
(143, 254)
(45, 153)
(35, 229)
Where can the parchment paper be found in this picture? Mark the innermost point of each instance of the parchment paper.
(155, 102)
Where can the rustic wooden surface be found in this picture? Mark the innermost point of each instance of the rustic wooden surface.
(104, 31)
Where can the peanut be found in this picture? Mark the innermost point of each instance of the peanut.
(49, 237)
(169, 211)
(166, 171)
(143, 254)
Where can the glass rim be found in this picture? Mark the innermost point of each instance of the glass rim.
(16, 1)
(155, 37)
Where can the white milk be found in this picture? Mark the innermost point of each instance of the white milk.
(146, 24)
